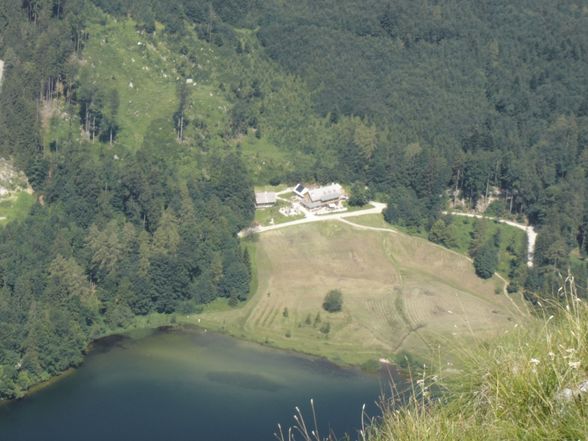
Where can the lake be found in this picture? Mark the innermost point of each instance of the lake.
(189, 385)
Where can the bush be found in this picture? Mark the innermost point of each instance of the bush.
(276, 180)
(443, 234)
(512, 288)
(333, 301)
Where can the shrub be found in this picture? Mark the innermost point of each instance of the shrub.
(276, 180)
(333, 301)
(497, 209)
(443, 234)
(512, 288)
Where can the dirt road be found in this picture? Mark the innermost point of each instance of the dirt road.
(378, 207)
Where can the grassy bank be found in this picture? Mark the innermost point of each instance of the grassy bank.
(513, 241)
(529, 384)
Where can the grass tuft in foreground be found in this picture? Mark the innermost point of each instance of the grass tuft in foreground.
(531, 384)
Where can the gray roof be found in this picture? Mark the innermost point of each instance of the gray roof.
(325, 194)
(265, 198)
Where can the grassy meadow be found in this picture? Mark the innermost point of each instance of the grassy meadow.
(513, 240)
(401, 294)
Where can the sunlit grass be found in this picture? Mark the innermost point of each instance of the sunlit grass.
(16, 207)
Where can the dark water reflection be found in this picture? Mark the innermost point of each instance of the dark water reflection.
(188, 386)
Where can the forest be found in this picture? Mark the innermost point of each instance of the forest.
(422, 102)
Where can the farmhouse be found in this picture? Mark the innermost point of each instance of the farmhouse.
(265, 199)
(322, 196)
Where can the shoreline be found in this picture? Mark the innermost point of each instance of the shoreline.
(167, 326)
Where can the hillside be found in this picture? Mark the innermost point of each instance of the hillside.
(147, 84)
(143, 126)
(529, 384)
(401, 295)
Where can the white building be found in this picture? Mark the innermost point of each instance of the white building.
(322, 196)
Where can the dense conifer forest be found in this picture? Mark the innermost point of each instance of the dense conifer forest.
(421, 101)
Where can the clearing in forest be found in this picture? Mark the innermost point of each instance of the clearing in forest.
(401, 293)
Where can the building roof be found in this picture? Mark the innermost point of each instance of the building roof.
(267, 197)
(325, 194)
(300, 190)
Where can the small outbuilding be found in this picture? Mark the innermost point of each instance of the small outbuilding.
(265, 199)
(300, 190)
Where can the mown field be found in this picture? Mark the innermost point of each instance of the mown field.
(401, 293)
(513, 241)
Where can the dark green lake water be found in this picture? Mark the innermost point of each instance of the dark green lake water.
(188, 386)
